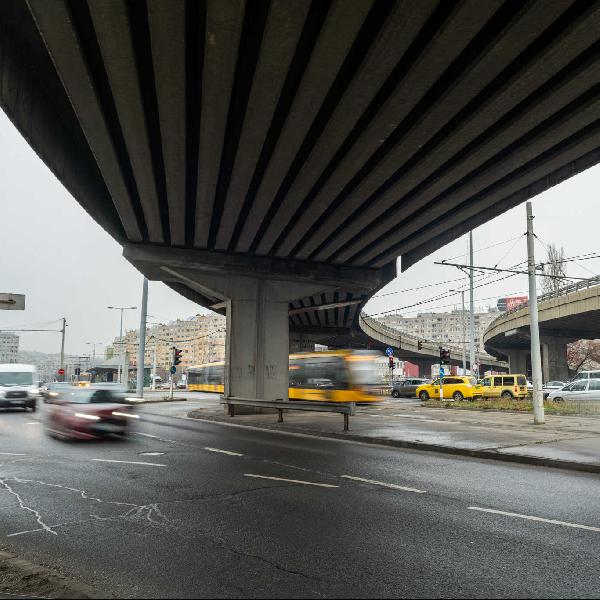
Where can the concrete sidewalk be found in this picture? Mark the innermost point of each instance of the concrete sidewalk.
(567, 442)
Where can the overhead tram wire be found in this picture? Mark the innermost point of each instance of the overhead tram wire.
(439, 297)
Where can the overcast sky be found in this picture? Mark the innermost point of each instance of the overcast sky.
(53, 252)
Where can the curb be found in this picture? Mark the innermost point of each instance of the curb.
(539, 461)
(25, 579)
(160, 400)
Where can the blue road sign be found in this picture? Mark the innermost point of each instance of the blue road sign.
(389, 351)
(173, 370)
(441, 372)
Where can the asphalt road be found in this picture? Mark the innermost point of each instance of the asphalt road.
(192, 509)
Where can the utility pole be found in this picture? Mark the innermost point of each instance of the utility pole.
(472, 310)
(62, 346)
(142, 340)
(536, 359)
(464, 334)
(121, 342)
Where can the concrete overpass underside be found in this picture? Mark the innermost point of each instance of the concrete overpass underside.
(273, 159)
(562, 320)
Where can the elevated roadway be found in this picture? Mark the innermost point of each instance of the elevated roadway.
(271, 160)
(406, 347)
(571, 314)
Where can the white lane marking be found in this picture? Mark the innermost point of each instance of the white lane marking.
(228, 452)
(128, 462)
(33, 423)
(393, 486)
(325, 485)
(12, 454)
(530, 518)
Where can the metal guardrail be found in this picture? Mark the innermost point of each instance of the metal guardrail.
(380, 327)
(345, 408)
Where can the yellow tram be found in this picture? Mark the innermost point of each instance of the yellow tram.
(330, 376)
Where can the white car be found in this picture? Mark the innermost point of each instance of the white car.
(552, 386)
(585, 390)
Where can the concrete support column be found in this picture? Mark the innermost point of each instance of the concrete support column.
(257, 343)
(517, 361)
(554, 359)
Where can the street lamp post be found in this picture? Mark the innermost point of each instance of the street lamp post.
(464, 331)
(93, 345)
(121, 308)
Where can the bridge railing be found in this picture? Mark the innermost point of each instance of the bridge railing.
(392, 332)
(562, 291)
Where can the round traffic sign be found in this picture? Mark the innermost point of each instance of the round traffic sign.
(173, 370)
(389, 351)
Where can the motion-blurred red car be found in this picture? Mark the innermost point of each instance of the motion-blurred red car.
(88, 413)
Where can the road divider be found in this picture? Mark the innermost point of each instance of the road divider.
(392, 486)
(298, 481)
(532, 518)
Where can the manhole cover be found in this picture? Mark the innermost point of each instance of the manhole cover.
(151, 453)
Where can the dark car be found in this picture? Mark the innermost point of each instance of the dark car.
(407, 388)
(89, 413)
(53, 390)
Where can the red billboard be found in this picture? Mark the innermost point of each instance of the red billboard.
(511, 302)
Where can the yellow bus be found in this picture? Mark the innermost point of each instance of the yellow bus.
(330, 376)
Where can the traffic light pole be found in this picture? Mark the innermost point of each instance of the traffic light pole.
(62, 347)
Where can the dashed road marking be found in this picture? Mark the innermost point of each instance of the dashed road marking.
(392, 486)
(33, 423)
(128, 462)
(12, 454)
(228, 452)
(324, 485)
(531, 518)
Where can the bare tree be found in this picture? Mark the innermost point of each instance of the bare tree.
(555, 268)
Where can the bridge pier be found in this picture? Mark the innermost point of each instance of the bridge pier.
(554, 359)
(517, 360)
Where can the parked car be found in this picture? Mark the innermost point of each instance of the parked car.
(579, 390)
(551, 386)
(406, 388)
(504, 386)
(454, 388)
(18, 386)
(89, 413)
(587, 375)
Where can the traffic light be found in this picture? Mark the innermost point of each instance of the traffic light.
(420, 345)
(444, 356)
(176, 356)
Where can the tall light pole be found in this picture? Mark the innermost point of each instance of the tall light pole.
(142, 341)
(536, 359)
(472, 308)
(62, 348)
(121, 308)
(464, 331)
(93, 345)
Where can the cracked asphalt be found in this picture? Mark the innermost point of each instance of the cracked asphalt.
(190, 509)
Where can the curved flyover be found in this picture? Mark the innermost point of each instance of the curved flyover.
(273, 159)
(407, 346)
(572, 313)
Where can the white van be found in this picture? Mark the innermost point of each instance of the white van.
(19, 386)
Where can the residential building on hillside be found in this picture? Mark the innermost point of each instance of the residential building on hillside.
(201, 338)
(9, 347)
(445, 328)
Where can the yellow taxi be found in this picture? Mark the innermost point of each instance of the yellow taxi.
(455, 388)
(505, 386)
